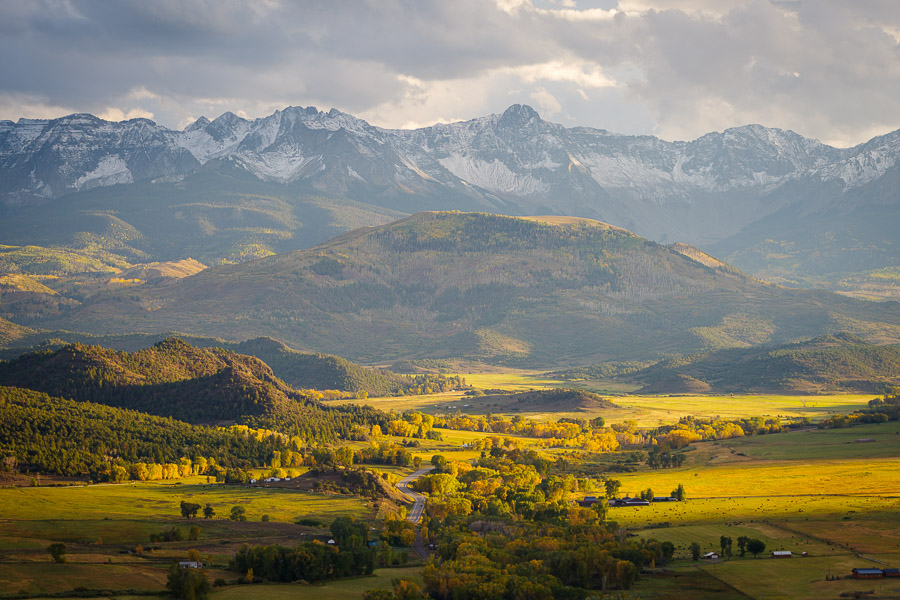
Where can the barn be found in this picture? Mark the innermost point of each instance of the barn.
(867, 573)
(781, 554)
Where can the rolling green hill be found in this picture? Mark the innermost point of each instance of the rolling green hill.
(10, 333)
(322, 371)
(175, 379)
(525, 291)
(840, 362)
(302, 370)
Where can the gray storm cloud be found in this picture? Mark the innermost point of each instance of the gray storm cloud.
(827, 69)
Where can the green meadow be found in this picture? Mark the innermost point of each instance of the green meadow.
(153, 502)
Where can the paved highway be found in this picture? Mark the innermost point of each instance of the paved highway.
(415, 514)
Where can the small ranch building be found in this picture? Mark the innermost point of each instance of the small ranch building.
(867, 573)
(626, 501)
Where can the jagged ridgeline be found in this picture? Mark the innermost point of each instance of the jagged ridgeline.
(526, 291)
(175, 379)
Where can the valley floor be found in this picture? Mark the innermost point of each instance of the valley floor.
(816, 491)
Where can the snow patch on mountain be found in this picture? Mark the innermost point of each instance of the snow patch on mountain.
(621, 171)
(283, 165)
(110, 170)
(205, 147)
(494, 175)
(867, 162)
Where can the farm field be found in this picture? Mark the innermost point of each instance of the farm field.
(344, 589)
(810, 491)
(651, 411)
(800, 578)
(647, 410)
(100, 524)
(160, 501)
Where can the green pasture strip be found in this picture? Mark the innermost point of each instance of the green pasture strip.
(708, 538)
(797, 578)
(648, 411)
(651, 411)
(344, 589)
(161, 502)
(512, 381)
(865, 532)
(717, 511)
(850, 442)
(876, 477)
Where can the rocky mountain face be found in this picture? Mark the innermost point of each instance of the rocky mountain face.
(709, 192)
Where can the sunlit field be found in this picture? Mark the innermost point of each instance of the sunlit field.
(156, 501)
(647, 410)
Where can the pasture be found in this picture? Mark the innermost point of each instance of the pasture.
(102, 524)
(159, 501)
(810, 491)
(342, 589)
(647, 410)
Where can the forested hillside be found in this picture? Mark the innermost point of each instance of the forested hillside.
(175, 379)
(323, 371)
(302, 370)
(55, 435)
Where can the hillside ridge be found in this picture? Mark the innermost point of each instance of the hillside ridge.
(483, 287)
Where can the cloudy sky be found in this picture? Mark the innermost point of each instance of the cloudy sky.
(828, 69)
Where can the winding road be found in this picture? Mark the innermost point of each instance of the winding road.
(415, 514)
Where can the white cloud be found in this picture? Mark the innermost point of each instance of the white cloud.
(15, 106)
(581, 73)
(112, 113)
(678, 68)
(547, 102)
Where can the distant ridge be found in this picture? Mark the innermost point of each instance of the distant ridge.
(484, 287)
(839, 362)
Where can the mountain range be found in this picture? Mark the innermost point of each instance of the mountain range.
(776, 204)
